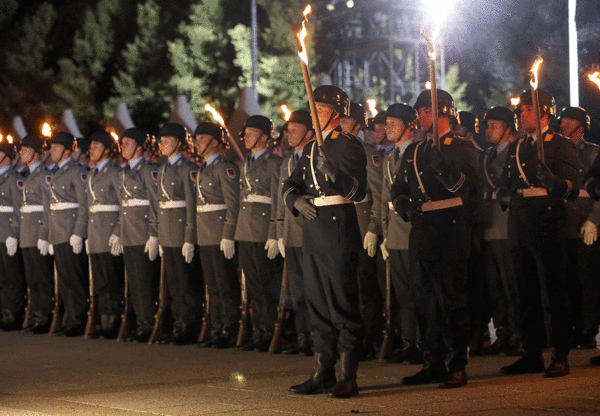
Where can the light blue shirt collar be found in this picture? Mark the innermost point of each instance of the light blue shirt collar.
(212, 158)
(64, 162)
(133, 163)
(102, 164)
(174, 159)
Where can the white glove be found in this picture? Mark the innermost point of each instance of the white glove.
(281, 247)
(11, 246)
(51, 249)
(272, 249)
(384, 253)
(188, 252)
(152, 248)
(370, 243)
(228, 248)
(77, 243)
(590, 232)
(116, 248)
(43, 247)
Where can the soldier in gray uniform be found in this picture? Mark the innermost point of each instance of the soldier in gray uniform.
(177, 232)
(289, 232)
(139, 230)
(12, 279)
(64, 226)
(401, 120)
(218, 202)
(39, 271)
(104, 244)
(256, 230)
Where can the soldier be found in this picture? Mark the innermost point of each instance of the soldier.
(401, 120)
(289, 232)
(218, 202)
(580, 233)
(535, 191)
(39, 267)
(322, 188)
(435, 190)
(502, 294)
(256, 230)
(177, 233)
(104, 244)
(467, 126)
(139, 230)
(12, 280)
(63, 230)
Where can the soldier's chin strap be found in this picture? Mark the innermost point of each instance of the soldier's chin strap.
(333, 112)
(574, 130)
(3, 157)
(206, 147)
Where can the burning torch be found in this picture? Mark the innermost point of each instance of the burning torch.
(372, 107)
(536, 107)
(434, 98)
(217, 117)
(286, 112)
(595, 78)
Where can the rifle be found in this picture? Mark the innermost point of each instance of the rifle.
(278, 331)
(124, 329)
(243, 332)
(159, 330)
(56, 324)
(206, 324)
(388, 330)
(91, 327)
(27, 319)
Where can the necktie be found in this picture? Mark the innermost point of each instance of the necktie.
(250, 160)
(296, 158)
(493, 153)
(203, 166)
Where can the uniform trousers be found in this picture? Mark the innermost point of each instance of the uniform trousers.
(185, 288)
(143, 277)
(13, 290)
(39, 274)
(107, 273)
(295, 282)
(371, 289)
(73, 282)
(221, 279)
(403, 287)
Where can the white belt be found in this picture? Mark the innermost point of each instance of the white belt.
(32, 208)
(330, 200)
(529, 192)
(6, 208)
(261, 199)
(211, 207)
(59, 206)
(171, 204)
(134, 202)
(441, 204)
(104, 208)
(583, 194)
(364, 201)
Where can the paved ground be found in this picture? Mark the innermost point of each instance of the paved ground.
(43, 375)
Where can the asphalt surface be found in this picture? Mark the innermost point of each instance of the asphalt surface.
(43, 375)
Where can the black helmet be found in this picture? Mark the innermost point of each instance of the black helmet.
(404, 112)
(335, 97)
(547, 103)
(140, 136)
(173, 130)
(301, 117)
(379, 118)
(63, 138)
(101, 136)
(34, 142)
(504, 114)
(9, 149)
(259, 122)
(358, 113)
(83, 144)
(445, 102)
(576, 113)
(468, 120)
(212, 129)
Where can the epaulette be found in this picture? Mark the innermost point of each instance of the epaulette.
(448, 140)
(548, 135)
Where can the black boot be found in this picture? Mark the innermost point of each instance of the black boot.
(302, 346)
(434, 371)
(457, 376)
(531, 362)
(559, 366)
(347, 386)
(322, 378)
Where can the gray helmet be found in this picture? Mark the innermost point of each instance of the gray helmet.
(404, 112)
(445, 102)
(547, 103)
(335, 97)
(504, 114)
(576, 113)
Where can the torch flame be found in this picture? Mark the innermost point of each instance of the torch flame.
(302, 54)
(9, 139)
(215, 115)
(46, 130)
(595, 78)
(428, 85)
(286, 112)
(515, 101)
(1, 138)
(534, 72)
(115, 136)
(372, 104)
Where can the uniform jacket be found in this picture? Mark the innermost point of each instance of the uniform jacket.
(217, 184)
(336, 227)
(11, 187)
(492, 218)
(102, 189)
(289, 227)
(34, 186)
(368, 210)
(257, 222)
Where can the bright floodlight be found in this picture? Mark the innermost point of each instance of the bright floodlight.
(350, 4)
(437, 12)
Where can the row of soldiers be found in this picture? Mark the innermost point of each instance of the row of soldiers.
(448, 235)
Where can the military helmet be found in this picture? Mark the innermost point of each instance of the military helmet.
(212, 129)
(576, 113)
(173, 130)
(468, 120)
(101, 136)
(262, 123)
(301, 117)
(445, 102)
(140, 136)
(335, 97)
(34, 142)
(63, 138)
(83, 144)
(504, 114)
(358, 113)
(9, 149)
(404, 112)
(547, 103)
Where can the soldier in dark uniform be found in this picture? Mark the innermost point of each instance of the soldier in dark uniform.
(256, 230)
(289, 232)
(467, 126)
(322, 188)
(39, 266)
(218, 202)
(534, 191)
(64, 226)
(401, 120)
(12, 279)
(177, 233)
(435, 190)
(104, 244)
(501, 292)
(139, 230)
(580, 233)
